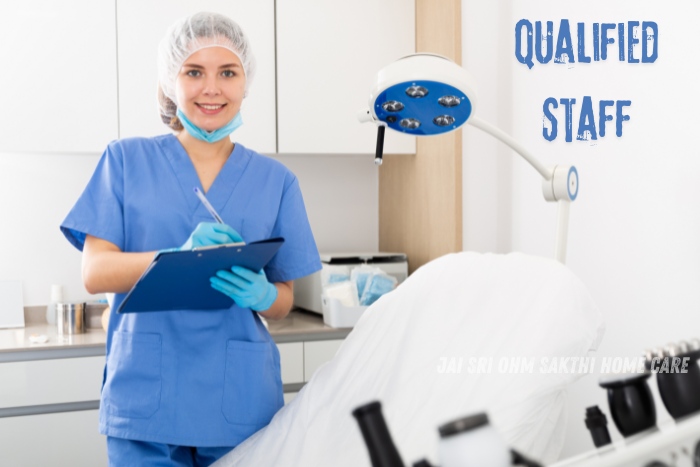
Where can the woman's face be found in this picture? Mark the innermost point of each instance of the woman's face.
(210, 87)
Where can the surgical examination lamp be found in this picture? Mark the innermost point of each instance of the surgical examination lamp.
(427, 94)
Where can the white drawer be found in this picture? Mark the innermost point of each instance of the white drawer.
(292, 362)
(317, 353)
(58, 439)
(56, 381)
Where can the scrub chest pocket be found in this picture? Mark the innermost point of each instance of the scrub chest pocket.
(134, 368)
(252, 383)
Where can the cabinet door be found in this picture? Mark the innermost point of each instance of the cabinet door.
(289, 397)
(328, 55)
(42, 382)
(59, 439)
(58, 86)
(292, 362)
(317, 353)
(142, 25)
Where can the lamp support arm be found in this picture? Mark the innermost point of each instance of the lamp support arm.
(514, 145)
(559, 184)
(562, 230)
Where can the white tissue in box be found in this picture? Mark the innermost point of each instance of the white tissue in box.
(337, 315)
(345, 292)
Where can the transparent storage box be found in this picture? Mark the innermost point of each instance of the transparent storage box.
(337, 315)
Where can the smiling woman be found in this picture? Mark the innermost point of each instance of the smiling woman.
(187, 386)
(210, 89)
(178, 58)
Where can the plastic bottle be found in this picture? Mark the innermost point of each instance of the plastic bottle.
(56, 297)
(472, 442)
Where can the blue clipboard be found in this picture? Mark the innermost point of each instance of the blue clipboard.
(179, 280)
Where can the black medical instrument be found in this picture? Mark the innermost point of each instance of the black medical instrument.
(597, 424)
(678, 377)
(631, 402)
(383, 451)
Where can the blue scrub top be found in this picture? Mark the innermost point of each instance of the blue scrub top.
(192, 378)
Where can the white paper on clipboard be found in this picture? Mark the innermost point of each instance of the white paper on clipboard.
(11, 304)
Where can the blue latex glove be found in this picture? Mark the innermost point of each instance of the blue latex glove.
(247, 288)
(211, 233)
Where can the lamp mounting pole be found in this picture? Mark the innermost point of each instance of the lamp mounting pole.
(559, 184)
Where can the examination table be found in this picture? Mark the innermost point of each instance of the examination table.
(443, 345)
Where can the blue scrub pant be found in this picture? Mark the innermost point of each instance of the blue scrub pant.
(130, 453)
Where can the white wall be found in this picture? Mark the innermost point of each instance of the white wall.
(635, 227)
(38, 190)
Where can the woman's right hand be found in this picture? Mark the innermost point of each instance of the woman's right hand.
(107, 269)
(211, 233)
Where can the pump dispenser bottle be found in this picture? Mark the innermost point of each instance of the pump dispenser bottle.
(56, 297)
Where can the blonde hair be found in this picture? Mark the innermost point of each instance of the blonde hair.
(167, 107)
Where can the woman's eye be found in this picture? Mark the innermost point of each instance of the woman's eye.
(228, 73)
(193, 73)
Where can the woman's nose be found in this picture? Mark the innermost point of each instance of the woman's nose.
(211, 86)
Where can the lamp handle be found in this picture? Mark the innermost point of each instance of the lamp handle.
(379, 154)
(517, 147)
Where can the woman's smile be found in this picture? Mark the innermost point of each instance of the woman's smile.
(210, 109)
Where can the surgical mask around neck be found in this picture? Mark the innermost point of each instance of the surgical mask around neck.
(209, 136)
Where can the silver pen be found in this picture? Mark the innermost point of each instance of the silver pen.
(209, 207)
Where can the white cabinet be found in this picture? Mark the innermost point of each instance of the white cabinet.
(59, 439)
(299, 360)
(43, 382)
(67, 438)
(58, 86)
(142, 25)
(316, 353)
(292, 362)
(328, 54)
(289, 397)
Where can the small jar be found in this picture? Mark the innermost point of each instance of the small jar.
(70, 318)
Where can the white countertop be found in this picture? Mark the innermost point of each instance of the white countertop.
(297, 326)
(18, 339)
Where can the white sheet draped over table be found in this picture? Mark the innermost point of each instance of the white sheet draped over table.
(459, 306)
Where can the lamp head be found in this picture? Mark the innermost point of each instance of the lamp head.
(422, 95)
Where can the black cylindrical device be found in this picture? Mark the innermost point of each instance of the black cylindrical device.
(382, 451)
(630, 402)
(597, 424)
(678, 378)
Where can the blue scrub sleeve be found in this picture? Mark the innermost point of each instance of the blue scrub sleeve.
(298, 257)
(98, 211)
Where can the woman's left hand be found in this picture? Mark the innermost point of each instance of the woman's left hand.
(247, 288)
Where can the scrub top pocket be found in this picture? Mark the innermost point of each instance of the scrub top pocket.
(133, 384)
(252, 384)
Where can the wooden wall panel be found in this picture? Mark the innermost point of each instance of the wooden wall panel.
(420, 196)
